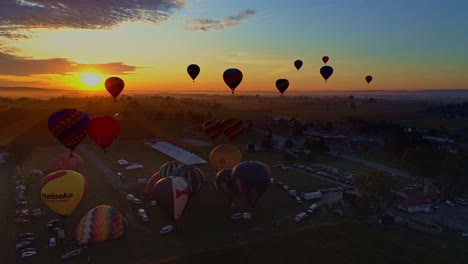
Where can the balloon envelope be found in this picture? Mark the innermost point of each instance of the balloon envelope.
(172, 194)
(225, 182)
(368, 78)
(193, 175)
(232, 77)
(65, 162)
(298, 64)
(168, 167)
(232, 129)
(104, 130)
(282, 85)
(326, 72)
(252, 179)
(148, 191)
(101, 223)
(225, 156)
(193, 70)
(325, 59)
(114, 85)
(212, 129)
(63, 190)
(69, 126)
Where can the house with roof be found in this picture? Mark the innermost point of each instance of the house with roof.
(412, 199)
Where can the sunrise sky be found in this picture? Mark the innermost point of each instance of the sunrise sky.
(403, 44)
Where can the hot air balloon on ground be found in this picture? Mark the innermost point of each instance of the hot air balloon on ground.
(193, 175)
(193, 70)
(150, 185)
(63, 190)
(114, 85)
(226, 184)
(326, 72)
(172, 195)
(65, 162)
(101, 223)
(168, 167)
(298, 64)
(368, 78)
(232, 77)
(252, 179)
(104, 130)
(225, 156)
(212, 129)
(232, 129)
(282, 85)
(69, 126)
(325, 59)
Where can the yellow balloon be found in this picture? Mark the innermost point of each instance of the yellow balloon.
(225, 156)
(63, 190)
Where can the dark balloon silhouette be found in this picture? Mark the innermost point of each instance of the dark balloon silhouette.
(326, 72)
(298, 64)
(226, 184)
(232, 77)
(252, 179)
(148, 191)
(212, 129)
(232, 129)
(368, 78)
(114, 85)
(282, 85)
(69, 126)
(172, 195)
(325, 59)
(104, 130)
(193, 70)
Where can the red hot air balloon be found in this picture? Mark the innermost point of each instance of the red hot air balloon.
(325, 59)
(232, 129)
(368, 78)
(232, 77)
(282, 85)
(69, 126)
(65, 162)
(193, 70)
(326, 72)
(104, 130)
(114, 85)
(298, 64)
(212, 129)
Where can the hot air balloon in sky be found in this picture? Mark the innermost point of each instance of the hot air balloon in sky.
(69, 126)
(282, 85)
(193, 175)
(63, 190)
(225, 156)
(326, 72)
(368, 78)
(148, 191)
(325, 59)
(167, 168)
(172, 195)
(212, 129)
(101, 223)
(252, 179)
(232, 129)
(226, 184)
(193, 70)
(104, 130)
(114, 85)
(232, 77)
(65, 162)
(298, 64)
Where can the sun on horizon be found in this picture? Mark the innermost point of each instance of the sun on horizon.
(91, 80)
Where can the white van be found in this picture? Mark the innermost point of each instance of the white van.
(52, 242)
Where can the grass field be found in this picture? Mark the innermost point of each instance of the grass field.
(383, 158)
(436, 123)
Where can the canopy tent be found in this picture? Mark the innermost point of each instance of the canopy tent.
(177, 153)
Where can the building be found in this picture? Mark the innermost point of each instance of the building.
(415, 200)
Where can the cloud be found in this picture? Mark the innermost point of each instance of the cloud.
(206, 25)
(22, 66)
(17, 17)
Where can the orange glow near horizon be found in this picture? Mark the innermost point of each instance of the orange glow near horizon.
(90, 80)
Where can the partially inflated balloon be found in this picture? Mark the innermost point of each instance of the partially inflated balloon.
(232, 129)
(100, 224)
(150, 185)
(225, 156)
(104, 130)
(325, 59)
(167, 168)
(298, 64)
(69, 126)
(63, 190)
(282, 85)
(65, 162)
(212, 129)
(326, 72)
(232, 77)
(172, 194)
(225, 183)
(114, 85)
(193, 70)
(193, 175)
(368, 78)
(252, 179)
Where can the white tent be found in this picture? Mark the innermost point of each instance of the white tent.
(122, 162)
(177, 153)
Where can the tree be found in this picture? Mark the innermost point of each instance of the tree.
(422, 162)
(454, 169)
(376, 185)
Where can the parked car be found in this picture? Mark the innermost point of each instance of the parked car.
(20, 203)
(167, 229)
(27, 249)
(428, 210)
(142, 213)
(22, 220)
(31, 239)
(236, 216)
(339, 212)
(460, 201)
(246, 216)
(28, 254)
(71, 254)
(300, 217)
(450, 203)
(22, 245)
(23, 235)
(52, 223)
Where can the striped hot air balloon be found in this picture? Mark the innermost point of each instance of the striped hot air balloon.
(193, 175)
(172, 195)
(232, 129)
(168, 167)
(212, 129)
(69, 126)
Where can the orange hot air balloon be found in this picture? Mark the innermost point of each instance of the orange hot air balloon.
(225, 156)
(63, 190)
